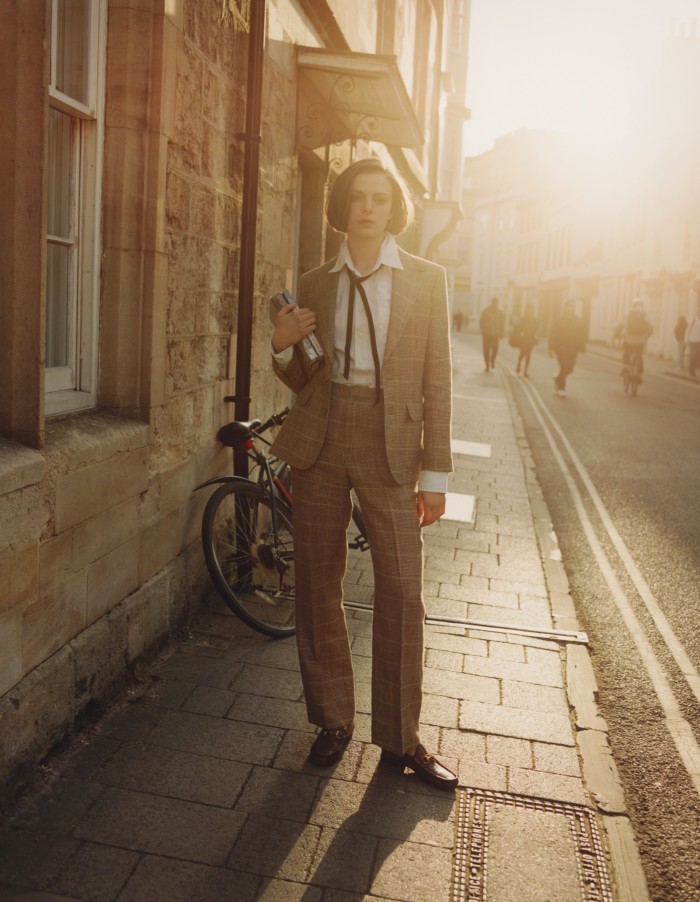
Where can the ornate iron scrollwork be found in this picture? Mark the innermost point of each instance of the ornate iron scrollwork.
(365, 129)
(316, 121)
(332, 116)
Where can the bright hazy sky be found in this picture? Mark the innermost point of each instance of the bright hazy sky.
(563, 64)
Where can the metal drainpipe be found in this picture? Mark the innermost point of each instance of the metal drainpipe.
(246, 277)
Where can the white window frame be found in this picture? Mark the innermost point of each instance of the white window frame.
(74, 387)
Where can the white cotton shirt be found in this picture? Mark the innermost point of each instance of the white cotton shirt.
(378, 290)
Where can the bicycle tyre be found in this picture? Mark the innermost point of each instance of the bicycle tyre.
(251, 566)
(634, 377)
(626, 378)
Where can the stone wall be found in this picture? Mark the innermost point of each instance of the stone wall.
(93, 579)
(100, 556)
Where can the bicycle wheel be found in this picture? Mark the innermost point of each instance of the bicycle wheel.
(634, 376)
(626, 378)
(250, 563)
(638, 374)
(634, 384)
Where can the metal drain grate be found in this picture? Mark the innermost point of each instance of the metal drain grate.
(540, 841)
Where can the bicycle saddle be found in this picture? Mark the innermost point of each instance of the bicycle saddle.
(236, 434)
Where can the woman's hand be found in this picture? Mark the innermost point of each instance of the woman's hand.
(430, 507)
(293, 324)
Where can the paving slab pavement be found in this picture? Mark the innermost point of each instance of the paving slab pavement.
(195, 785)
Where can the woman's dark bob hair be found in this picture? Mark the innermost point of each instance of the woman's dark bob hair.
(338, 202)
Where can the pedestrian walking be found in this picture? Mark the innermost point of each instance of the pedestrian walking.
(679, 331)
(567, 340)
(492, 324)
(458, 320)
(692, 337)
(373, 415)
(526, 339)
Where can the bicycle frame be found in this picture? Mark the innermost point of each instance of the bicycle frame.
(238, 438)
(266, 480)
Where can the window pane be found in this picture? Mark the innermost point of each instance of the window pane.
(57, 305)
(59, 174)
(73, 48)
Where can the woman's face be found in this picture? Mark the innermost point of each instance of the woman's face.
(369, 209)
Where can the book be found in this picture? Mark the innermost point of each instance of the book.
(310, 345)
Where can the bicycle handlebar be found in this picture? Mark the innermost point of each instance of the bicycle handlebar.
(275, 420)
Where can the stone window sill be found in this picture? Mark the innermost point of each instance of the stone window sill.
(19, 467)
(75, 441)
(86, 438)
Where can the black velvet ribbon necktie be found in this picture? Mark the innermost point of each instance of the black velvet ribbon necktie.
(356, 286)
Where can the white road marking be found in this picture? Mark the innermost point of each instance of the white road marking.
(664, 627)
(680, 730)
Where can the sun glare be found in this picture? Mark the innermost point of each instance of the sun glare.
(591, 70)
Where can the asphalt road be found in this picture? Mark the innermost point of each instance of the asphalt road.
(621, 477)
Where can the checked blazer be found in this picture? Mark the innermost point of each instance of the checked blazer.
(416, 373)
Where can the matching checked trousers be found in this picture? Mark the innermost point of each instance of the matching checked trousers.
(353, 457)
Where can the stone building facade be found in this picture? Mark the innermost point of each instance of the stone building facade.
(123, 176)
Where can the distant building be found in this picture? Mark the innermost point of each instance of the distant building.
(541, 227)
(507, 196)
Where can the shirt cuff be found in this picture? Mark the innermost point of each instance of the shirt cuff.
(432, 481)
(284, 358)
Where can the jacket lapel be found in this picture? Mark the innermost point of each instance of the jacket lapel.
(403, 297)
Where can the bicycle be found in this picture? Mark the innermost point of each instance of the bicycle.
(632, 372)
(247, 533)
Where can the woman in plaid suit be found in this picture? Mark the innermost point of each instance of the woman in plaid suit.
(372, 415)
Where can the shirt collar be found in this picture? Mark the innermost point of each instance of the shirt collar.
(388, 256)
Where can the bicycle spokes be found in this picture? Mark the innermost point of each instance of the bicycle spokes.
(253, 558)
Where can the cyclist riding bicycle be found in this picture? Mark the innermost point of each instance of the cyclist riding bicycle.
(637, 330)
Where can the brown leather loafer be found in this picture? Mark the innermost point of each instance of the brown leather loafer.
(426, 767)
(329, 745)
